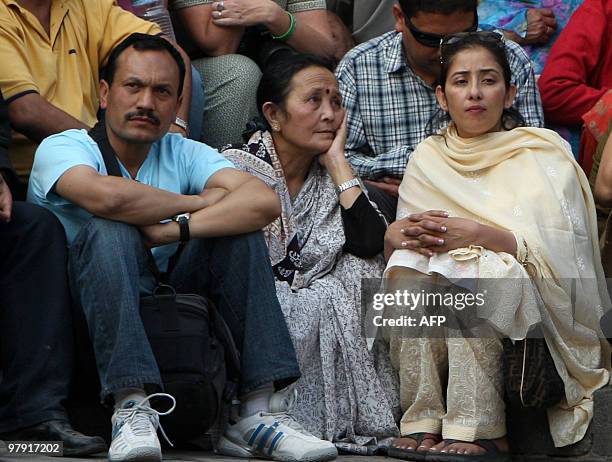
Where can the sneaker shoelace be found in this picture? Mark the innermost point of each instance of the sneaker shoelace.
(141, 416)
(289, 396)
(287, 420)
(281, 413)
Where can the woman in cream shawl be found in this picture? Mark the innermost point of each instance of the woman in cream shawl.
(482, 201)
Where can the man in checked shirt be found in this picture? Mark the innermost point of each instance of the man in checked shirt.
(388, 88)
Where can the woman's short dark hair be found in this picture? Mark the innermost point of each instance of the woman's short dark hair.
(494, 44)
(144, 42)
(411, 7)
(275, 83)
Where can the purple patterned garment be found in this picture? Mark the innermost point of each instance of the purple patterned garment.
(511, 15)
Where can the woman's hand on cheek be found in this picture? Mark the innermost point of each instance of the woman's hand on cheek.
(334, 160)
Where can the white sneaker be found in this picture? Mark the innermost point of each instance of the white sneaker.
(135, 431)
(271, 436)
(282, 402)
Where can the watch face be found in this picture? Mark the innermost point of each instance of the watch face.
(181, 123)
(185, 216)
(183, 221)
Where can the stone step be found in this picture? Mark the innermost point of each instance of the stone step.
(528, 432)
(530, 438)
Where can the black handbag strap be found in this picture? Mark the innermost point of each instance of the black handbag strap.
(98, 134)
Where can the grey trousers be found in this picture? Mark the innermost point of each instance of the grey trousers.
(230, 86)
(368, 18)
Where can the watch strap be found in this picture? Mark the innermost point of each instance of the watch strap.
(183, 222)
(182, 124)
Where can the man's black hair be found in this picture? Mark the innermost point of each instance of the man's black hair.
(144, 42)
(411, 7)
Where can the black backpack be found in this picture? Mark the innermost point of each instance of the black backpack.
(193, 346)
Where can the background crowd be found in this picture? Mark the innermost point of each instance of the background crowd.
(362, 138)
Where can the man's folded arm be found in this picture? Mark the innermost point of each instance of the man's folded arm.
(122, 199)
(248, 206)
(36, 118)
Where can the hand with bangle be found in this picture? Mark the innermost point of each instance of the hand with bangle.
(241, 13)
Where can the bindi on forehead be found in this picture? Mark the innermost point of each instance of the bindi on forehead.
(315, 79)
(318, 85)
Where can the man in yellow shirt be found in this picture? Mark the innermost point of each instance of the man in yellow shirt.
(51, 52)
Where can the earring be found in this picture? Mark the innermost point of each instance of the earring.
(275, 126)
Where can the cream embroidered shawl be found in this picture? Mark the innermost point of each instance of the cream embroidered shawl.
(525, 181)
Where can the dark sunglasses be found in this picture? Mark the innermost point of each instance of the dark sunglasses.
(434, 40)
(482, 36)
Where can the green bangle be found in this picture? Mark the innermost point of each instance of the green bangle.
(287, 35)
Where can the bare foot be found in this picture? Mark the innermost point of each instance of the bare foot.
(411, 444)
(467, 448)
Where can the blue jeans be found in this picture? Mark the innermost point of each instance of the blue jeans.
(108, 264)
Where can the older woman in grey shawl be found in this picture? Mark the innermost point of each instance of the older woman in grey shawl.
(328, 237)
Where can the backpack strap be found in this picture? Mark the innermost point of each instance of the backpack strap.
(98, 134)
(224, 335)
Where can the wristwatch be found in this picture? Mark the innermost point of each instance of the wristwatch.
(183, 220)
(182, 124)
(347, 185)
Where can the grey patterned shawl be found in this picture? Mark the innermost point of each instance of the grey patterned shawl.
(346, 392)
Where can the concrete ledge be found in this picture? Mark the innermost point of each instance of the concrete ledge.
(530, 439)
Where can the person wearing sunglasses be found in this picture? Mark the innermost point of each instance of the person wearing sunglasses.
(387, 85)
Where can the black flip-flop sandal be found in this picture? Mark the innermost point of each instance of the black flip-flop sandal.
(492, 454)
(412, 454)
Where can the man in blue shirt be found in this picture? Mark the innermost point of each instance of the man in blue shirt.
(108, 222)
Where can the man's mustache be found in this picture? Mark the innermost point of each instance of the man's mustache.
(143, 114)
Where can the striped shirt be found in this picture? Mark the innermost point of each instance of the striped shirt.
(389, 105)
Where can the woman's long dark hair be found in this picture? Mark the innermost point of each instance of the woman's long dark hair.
(511, 117)
(275, 83)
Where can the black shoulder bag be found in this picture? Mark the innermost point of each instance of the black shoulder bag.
(530, 376)
(193, 346)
